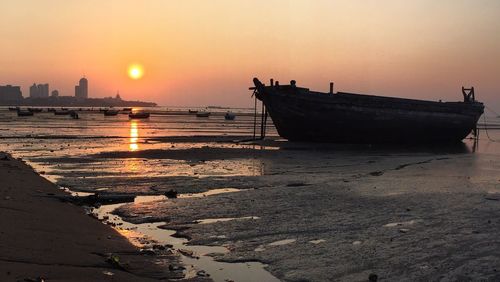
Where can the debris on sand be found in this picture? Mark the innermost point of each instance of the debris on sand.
(492, 199)
(376, 173)
(297, 184)
(171, 194)
(188, 253)
(202, 273)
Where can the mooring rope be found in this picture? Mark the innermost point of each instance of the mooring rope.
(486, 127)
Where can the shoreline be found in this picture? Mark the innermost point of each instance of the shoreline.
(52, 240)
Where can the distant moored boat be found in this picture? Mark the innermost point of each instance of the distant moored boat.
(74, 114)
(303, 115)
(21, 113)
(229, 116)
(138, 115)
(61, 113)
(203, 114)
(192, 111)
(111, 112)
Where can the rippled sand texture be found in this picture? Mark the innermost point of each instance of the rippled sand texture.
(314, 212)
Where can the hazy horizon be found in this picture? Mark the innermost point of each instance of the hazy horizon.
(206, 53)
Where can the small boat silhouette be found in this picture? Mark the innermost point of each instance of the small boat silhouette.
(21, 113)
(229, 116)
(110, 112)
(202, 114)
(138, 115)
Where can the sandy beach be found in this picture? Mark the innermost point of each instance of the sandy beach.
(44, 238)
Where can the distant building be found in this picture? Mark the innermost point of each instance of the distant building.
(39, 91)
(82, 89)
(54, 94)
(9, 93)
(34, 91)
(43, 90)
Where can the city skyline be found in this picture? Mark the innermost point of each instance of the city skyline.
(199, 53)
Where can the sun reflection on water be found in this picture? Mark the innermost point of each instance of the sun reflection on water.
(134, 136)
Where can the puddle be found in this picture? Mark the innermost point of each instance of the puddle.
(214, 220)
(410, 222)
(317, 241)
(143, 234)
(209, 193)
(282, 242)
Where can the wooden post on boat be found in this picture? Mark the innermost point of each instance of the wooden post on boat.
(262, 121)
(331, 87)
(254, 116)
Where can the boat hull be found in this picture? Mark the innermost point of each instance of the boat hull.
(352, 118)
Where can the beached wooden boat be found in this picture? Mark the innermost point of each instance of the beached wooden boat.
(303, 115)
(202, 114)
(138, 115)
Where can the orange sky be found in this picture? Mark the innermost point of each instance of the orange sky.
(207, 52)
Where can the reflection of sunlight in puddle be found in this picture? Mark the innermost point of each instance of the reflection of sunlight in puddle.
(133, 165)
(134, 136)
(146, 234)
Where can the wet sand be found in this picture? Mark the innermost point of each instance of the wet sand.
(304, 212)
(322, 213)
(42, 237)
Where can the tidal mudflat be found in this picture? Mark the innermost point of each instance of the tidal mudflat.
(302, 212)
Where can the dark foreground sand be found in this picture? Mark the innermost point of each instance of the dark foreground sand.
(43, 238)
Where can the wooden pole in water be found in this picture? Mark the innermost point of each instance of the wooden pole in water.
(263, 116)
(331, 87)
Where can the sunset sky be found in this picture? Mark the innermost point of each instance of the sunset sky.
(207, 52)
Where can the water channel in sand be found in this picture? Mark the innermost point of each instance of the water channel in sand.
(201, 258)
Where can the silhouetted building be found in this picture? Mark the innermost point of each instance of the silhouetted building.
(54, 94)
(9, 93)
(39, 91)
(43, 90)
(33, 91)
(82, 90)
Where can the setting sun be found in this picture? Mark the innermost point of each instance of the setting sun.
(135, 71)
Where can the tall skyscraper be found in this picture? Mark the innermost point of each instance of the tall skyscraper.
(81, 90)
(33, 91)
